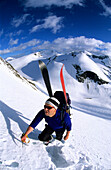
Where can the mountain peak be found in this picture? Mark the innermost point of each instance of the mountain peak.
(10, 69)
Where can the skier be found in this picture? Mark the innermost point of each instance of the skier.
(52, 116)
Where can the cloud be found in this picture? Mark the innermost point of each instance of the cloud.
(22, 46)
(13, 42)
(16, 22)
(106, 8)
(1, 32)
(14, 33)
(67, 45)
(49, 3)
(18, 32)
(73, 44)
(63, 45)
(51, 22)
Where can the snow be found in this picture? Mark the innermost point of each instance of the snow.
(87, 64)
(89, 144)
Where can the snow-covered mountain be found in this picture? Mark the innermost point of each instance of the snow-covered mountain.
(11, 69)
(88, 81)
(83, 71)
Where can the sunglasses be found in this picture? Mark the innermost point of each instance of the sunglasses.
(48, 107)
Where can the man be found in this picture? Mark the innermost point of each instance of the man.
(52, 116)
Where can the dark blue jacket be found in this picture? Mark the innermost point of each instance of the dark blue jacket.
(54, 122)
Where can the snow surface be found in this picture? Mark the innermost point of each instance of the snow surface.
(89, 144)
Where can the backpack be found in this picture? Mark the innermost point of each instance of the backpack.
(63, 106)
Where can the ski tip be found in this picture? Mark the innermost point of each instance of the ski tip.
(39, 61)
(61, 71)
(41, 64)
(62, 67)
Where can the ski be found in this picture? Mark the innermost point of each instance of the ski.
(62, 82)
(45, 75)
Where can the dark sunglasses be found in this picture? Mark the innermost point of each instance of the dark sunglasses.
(48, 107)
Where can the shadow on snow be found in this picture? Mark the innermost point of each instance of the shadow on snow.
(11, 114)
(102, 112)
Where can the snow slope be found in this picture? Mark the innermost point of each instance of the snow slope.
(89, 145)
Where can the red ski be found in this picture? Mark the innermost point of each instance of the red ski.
(62, 82)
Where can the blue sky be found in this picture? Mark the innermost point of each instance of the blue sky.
(59, 25)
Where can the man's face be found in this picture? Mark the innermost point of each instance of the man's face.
(49, 110)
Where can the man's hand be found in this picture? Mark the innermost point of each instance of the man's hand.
(23, 138)
(67, 135)
(25, 135)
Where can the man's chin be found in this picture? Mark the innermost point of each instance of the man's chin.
(46, 114)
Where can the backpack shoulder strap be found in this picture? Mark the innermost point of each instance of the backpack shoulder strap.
(62, 114)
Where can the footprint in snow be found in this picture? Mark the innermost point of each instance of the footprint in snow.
(9, 163)
(57, 156)
(83, 163)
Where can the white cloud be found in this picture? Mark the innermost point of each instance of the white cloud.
(14, 34)
(73, 44)
(35, 28)
(64, 45)
(48, 3)
(1, 32)
(5, 51)
(16, 22)
(20, 47)
(52, 22)
(106, 8)
(19, 32)
(13, 42)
